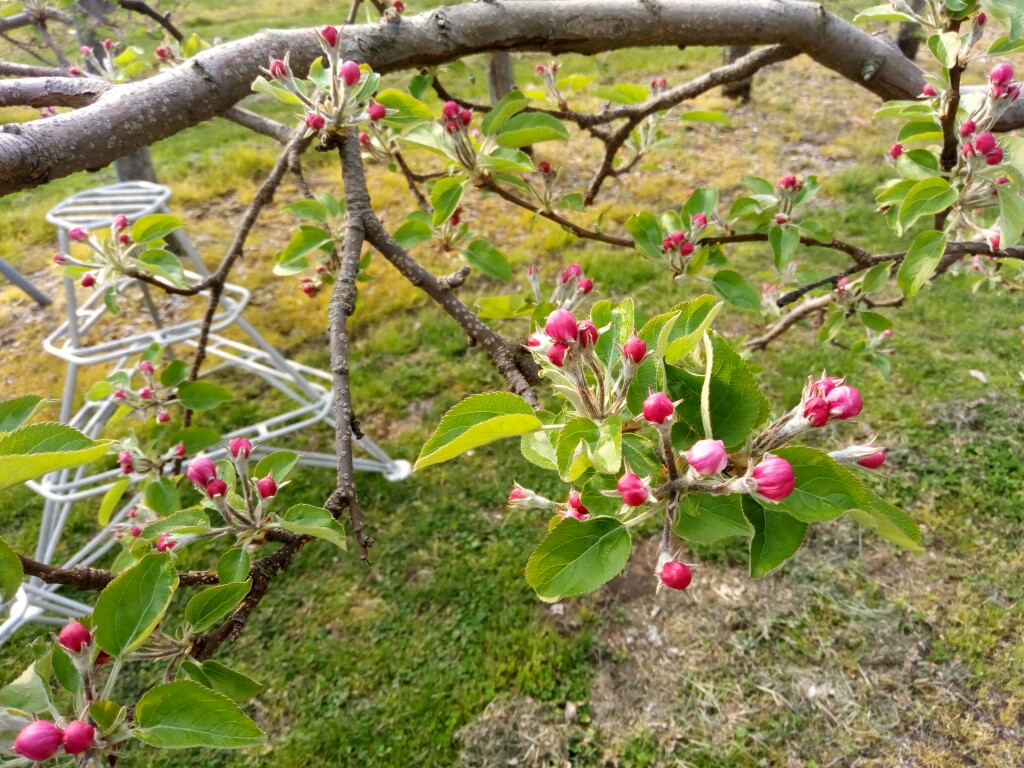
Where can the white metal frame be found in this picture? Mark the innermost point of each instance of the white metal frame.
(309, 389)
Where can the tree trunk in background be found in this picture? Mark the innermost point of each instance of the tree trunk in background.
(740, 89)
(909, 39)
(500, 78)
(138, 166)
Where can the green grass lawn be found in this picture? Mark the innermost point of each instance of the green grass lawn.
(851, 654)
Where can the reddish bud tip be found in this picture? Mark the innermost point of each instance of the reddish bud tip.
(544, 166)
(59, 258)
(135, 531)
(556, 354)
(577, 503)
(535, 340)
(816, 411)
(787, 182)
(774, 478)
(240, 447)
(874, 461)
(561, 326)
(145, 367)
(632, 488)
(179, 450)
(967, 128)
(657, 408)
(685, 249)
(995, 157)
(329, 34)
(985, 143)
(350, 73)
(120, 222)
(85, 50)
(676, 575)
(586, 285)
(588, 334)
(315, 121)
(895, 151)
(39, 740)
(398, 5)
(450, 110)
(77, 737)
(364, 138)
(201, 471)
(277, 68)
(163, 417)
(466, 117)
(540, 69)
(266, 487)
(146, 393)
(928, 90)
(844, 402)
(699, 221)
(781, 218)
(516, 493)
(88, 280)
(162, 52)
(74, 71)
(164, 543)
(574, 269)
(1001, 74)
(75, 636)
(707, 457)
(376, 111)
(118, 394)
(635, 349)
(108, 44)
(994, 241)
(216, 487)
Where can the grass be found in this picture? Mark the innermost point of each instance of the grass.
(853, 654)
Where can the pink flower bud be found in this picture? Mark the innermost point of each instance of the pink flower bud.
(676, 575)
(315, 121)
(574, 269)
(588, 334)
(146, 393)
(201, 471)
(544, 166)
(928, 90)
(787, 182)
(561, 326)
(450, 110)
(967, 149)
(240, 446)
(994, 241)
(516, 494)
(465, 117)
(309, 288)
(124, 457)
(844, 402)
(135, 531)
(1001, 74)
(74, 71)
(108, 44)
(985, 143)
(164, 543)
(216, 487)
(118, 394)
(895, 151)
(39, 740)
(577, 503)
(676, 238)
(824, 385)
(995, 157)
(540, 69)
(267, 487)
(658, 408)
(277, 68)
(633, 490)
(874, 461)
(556, 354)
(666, 244)
(75, 636)
(78, 737)
(163, 417)
(179, 450)
(133, 513)
(967, 128)
(120, 222)
(350, 73)
(699, 221)
(88, 280)
(399, 6)
(585, 285)
(145, 367)
(59, 258)
(536, 340)
(162, 52)
(774, 478)
(686, 248)
(781, 218)
(980, 19)
(85, 50)
(364, 139)
(707, 457)
(1002, 180)
(816, 411)
(635, 349)
(329, 34)
(124, 238)
(376, 111)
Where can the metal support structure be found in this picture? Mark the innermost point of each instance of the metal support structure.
(307, 391)
(19, 280)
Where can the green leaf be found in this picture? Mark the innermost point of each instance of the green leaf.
(777, 536)
(161, 496)
(28, 693)
(107, 715)
(920, 130)
(824, 489)
(920, 262)
(131, 606)
(230, 682)
(202, 395)
(704, 518)
(694, 318)
(233, 566)
(1003, 45)
(606, 456)
(37, 449)
(184, 714)
(184, 521)
(159, 263)
(509, 105)
(646, 232)
(278, 464)
(531, 128)
(208, 607)
(414, 230)
(410, 110)
(294, 258)
(706, 116)
(195, 439)
(876, 278)
(18, 410)
(488, 259)
(279, 92)
(10, 572)
(476, 421)
(445, 197)
(834, 322)
(1011, 216)
(623, 93)
(156, 226)
(175, 373)
(890, 522)
(737, 405)
(881, 13)
(578, 557)
(945, 47)
(536, 448)
(110, 500)
(308, 210)
(874, 320)
(783, 241)
(734, 289)
(926, 197)
(502, 307)
(571, 200)
(64, 669)
(1010, 14)
(572, 451)
(308, 520)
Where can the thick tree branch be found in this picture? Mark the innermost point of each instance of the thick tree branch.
(51, 91)
(11, 69)
(134, 115)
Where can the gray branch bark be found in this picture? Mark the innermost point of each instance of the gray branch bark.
(137, 114)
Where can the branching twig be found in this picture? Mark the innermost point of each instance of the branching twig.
(784, 323)
(84, 577)
(163, 19)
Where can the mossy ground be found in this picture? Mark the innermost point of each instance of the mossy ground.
(851, 654)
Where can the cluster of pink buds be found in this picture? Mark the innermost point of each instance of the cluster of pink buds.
(787, 188)
(454, 117)
(574, 507)
(549, 75)
(829, 397)
(201, 472)
(571, 286)
(40, 740)
(310, 287)
(984, 144)
(1001, 83)
(658, 86)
